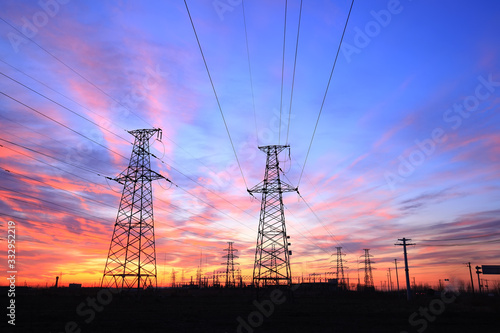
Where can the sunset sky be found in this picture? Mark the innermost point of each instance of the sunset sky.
(407, 144)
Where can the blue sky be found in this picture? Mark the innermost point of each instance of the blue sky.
(406, 145)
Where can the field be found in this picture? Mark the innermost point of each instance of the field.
(272, 310)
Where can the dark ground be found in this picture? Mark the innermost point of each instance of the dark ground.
(218, 310)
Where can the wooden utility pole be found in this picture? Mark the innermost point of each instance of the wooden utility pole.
(397, 277)
(471, 280)
(404, 244)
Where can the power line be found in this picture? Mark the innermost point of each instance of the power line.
(56, 187)
(52, 157)
(282, 72)
(461, 238)
(215, 93)
(61, 124)
(49, 202)
(64, 107)
(326, 92)
(99, 174)
(74, 71)
(464, 244)
(293, 77)
(108, 120)
(50, 165)
(115, 133)
(106, 204)
(318, 218)
(321, 222)
(93, 235)
(307, 238)
(177, 207)
(179, 146)
(42, 134)
(59, 93)
(250, 72)
(302, 234)
(52, 226)
(199, 184)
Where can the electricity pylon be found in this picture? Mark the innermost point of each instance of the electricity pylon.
(272, 257)
(131, 261)
(368, 269)
(340, 266)
(230, 279)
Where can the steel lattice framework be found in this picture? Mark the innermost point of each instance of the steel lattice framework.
(368, 269)
(230, 279)
(131, 261)
(340, 266)
(272, 263)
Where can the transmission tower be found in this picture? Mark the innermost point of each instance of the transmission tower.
(199, 271)
(230, 279)
(340, 266)
(368, 269)
(272, 261)
(131, 261)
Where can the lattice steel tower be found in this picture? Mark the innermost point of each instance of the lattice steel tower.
(131, 261)
(340, 266)
(272, 263)
(368, 269)
(230, 279)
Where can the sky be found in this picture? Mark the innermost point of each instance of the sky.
(406, 144)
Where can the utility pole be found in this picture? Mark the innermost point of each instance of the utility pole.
(272, 256)
(131, 261)
(478, 271)
(397, 277)
(390, 279)
(404, 244)
(359, 282)
(230, 279)
(471, 280)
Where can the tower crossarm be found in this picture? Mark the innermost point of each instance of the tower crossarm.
(148, 176)
(272, 188)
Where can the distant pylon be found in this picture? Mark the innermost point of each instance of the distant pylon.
(340, 266)
(199, 271)
(131, 261)
(272, 262)
(368, 269)
(230, 279)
